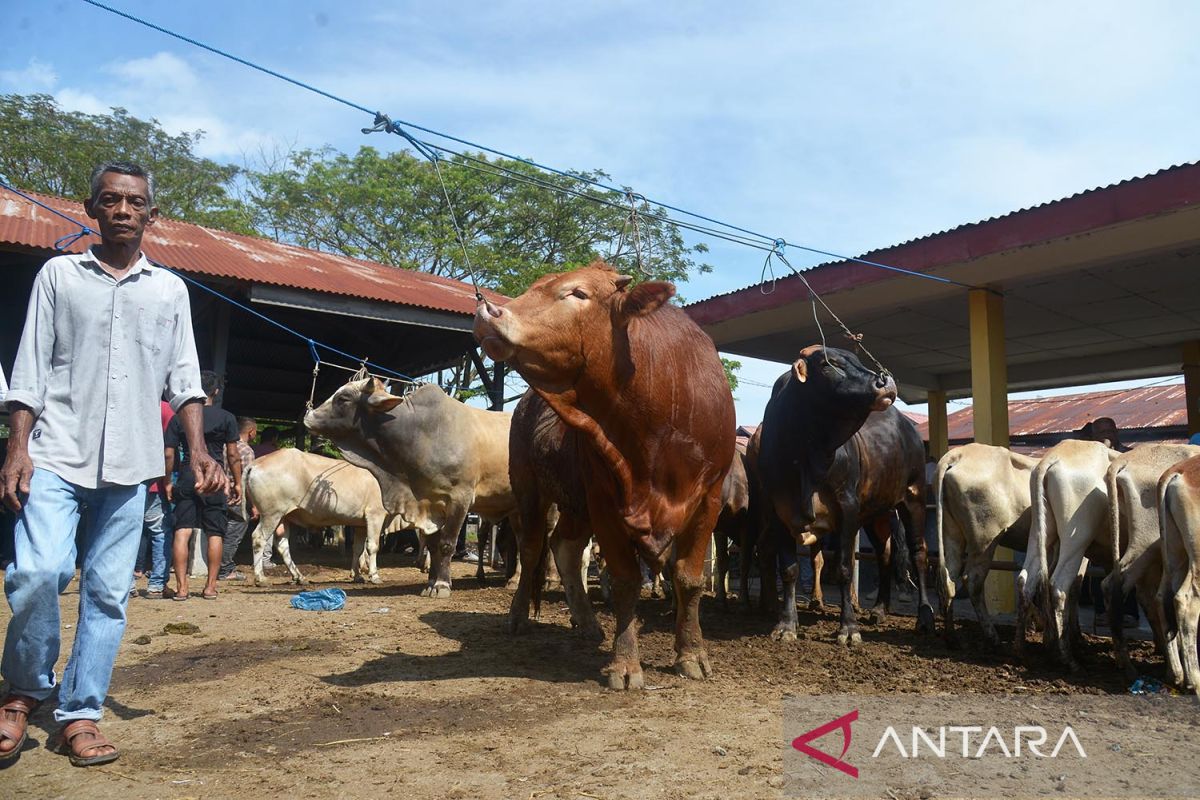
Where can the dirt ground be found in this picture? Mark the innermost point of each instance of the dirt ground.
(402, 696)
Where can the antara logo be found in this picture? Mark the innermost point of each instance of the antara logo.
(842, 723)
(977, 741)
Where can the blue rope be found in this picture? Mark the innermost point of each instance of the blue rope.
(384, 123)
(313, 344)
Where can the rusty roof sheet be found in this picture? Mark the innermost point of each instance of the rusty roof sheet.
(1148, 407)
(214, 253)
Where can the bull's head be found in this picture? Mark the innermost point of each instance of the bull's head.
(346, 408)
(565, 322)
(838, 376)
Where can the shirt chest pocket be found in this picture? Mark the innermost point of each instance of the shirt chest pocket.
(154, 332)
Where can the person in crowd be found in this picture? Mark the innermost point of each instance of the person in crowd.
(240, 513)
(156, 522)
(195, 510)
(105, 332)
(267, 443)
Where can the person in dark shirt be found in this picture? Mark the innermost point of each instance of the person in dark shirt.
(193, 510)
(268, 442)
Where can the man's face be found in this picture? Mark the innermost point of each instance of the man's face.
(121, 207)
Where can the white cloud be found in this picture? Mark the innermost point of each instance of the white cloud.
(36, 76)
(83, 102)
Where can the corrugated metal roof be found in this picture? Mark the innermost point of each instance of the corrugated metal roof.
(1001, 232)
(1148, 407)
(209, 252)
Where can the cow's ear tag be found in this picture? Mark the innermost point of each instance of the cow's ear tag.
(800, 370)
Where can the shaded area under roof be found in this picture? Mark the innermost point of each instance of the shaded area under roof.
(407, 321)
(1098, 286)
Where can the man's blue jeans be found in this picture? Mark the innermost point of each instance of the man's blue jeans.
(152, 551)
(45, 564)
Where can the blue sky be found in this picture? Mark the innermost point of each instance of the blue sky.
(846, 127)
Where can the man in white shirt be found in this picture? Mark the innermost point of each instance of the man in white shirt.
(106, 331)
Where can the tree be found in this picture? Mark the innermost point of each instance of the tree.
(46, 149)
(731, 368)
(393, 209)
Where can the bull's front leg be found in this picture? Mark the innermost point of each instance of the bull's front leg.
(625, 577)
(789, 569)
(691, 658)
(529, 531)
(848, 541)
(441, 550)
(569, 544)
(912, 516)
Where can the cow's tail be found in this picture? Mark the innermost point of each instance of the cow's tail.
(902, 557)
(939, 479)
(1039, 559)
(1113, 478)
(1171, 619)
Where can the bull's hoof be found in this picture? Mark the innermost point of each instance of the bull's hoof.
(375, 579)
(512, 583)
(590, 633)
(258, 581)
(357, 579)
(437, 591)
(518, 625)
(925, 620)
(816, 604)
(693, 667)
(878, 616)
(300, 580)
(784, 633)
(623, 675)
(849, 637)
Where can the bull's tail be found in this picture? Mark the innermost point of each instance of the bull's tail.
(539, 577)
(902, 556)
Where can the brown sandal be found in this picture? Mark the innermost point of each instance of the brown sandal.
(15, 730)
(95, 741)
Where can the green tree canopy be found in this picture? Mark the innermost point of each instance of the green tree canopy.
(392, 209)
(46, 149)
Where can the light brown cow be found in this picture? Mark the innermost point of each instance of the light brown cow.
(1136, 555)
(1179, 517)
(314, 491)
(1070, 511)
(642, 389)
(982, 495)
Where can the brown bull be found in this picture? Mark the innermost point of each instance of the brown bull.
(641, 388)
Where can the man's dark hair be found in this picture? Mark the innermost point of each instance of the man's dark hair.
(210, 382)
(246, 423)
(123, 168)
(269, 435)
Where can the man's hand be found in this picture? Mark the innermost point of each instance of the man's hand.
(235, 494)
(168, 490)
(210, 476)
(14, 478)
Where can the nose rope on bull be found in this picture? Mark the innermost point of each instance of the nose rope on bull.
(814, 298)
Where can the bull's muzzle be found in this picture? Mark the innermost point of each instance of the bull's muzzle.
(885, 391)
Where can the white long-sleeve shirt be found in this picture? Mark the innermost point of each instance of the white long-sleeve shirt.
(95, 356)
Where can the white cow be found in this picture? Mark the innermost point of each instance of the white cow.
(1136, 554)
(1179, 517)
(1070, 511)
(982, 494)
(314, 491)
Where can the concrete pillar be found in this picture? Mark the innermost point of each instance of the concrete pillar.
(989, 392)
(939, 427)
(1191, 382)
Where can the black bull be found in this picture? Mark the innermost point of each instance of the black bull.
(826, 464)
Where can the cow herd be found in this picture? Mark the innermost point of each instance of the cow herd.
(626, 436)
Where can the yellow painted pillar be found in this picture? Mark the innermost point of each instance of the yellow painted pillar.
(989, 392)
(1191, 383)
(939, 427)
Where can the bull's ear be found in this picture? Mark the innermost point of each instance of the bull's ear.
(381, 402)
(647, 297)
(800, 369)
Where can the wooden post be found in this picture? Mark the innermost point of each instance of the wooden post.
(989, 391)
(496, 392)
(1191, 383)
(939, 426)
